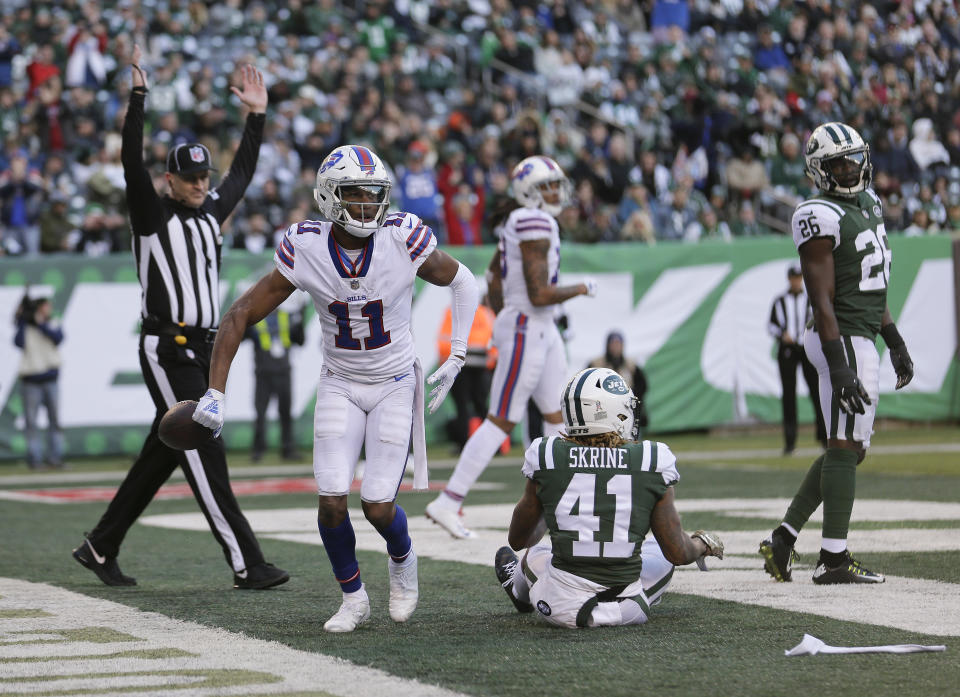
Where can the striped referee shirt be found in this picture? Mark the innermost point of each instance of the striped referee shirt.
(177, 248)
(789, 313)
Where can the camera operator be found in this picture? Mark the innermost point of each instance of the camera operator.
(39, 370)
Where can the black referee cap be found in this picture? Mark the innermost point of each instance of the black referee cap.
(188, 158)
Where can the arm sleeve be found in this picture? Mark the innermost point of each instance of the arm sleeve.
(54, 333)
(466, 298)
(18, 338)
(531, 460)
(142, 199)
(816, 218)
(226, 196)
(666, 463)
(284, 257)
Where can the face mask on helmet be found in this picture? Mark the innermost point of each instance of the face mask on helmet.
(597, 400)
(353, 190)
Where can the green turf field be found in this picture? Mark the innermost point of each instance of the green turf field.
(719, 633)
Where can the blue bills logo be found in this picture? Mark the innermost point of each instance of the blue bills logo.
(523, 172)
(332, 159)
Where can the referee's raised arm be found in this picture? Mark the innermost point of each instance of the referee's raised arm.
(143, 202)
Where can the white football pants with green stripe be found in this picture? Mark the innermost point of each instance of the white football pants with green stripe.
(863, 358)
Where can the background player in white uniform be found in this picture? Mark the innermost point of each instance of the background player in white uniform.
(531, 360)
(598, 570)
(359, 267)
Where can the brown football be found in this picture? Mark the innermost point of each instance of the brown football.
(179, 431)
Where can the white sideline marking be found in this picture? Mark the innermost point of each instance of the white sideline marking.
(289, 670)
(918, 605)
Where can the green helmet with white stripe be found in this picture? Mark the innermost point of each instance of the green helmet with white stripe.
(838, 160)
(598, 400)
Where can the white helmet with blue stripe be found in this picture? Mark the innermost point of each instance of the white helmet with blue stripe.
(598, 400)
(838, 160)
(353, 175)
(535, 176)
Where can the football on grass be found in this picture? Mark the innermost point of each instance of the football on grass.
(178, 430)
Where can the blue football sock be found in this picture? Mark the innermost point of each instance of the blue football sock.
(341, 546)
(397, 537)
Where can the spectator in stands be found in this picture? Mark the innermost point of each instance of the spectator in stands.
(927, 151)
(921, 224)
(417, 186)
(21, 199)
(678, 215)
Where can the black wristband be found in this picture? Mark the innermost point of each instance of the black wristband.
(891, 336)
(139, 89)
(833, 352)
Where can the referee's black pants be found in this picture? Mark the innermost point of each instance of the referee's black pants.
(789, 356)
(173, 373)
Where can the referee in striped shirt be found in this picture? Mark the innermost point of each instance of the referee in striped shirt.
(788, 319)
(176, 243)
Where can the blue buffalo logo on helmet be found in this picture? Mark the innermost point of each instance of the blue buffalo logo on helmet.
(523, 172)
(332, 159)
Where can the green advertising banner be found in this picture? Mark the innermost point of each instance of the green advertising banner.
(695, 316)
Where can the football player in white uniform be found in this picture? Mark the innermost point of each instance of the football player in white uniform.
(532, 362)
(359, 267)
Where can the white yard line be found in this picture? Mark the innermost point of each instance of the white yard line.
(234, 664)
(916, 605)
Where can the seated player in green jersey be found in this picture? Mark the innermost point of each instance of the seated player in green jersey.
(845, 260)
(599, 492)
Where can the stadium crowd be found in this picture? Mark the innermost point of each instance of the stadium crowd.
(675, 120)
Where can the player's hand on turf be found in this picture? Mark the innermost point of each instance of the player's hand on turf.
(209, 411)
(592, 287)
(443, 379)
(254, 93)
(902, 365)
(139, 74)
(714, 547)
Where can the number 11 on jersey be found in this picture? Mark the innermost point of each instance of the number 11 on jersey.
(344, 339)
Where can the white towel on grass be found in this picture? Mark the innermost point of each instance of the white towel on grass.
(811, 646)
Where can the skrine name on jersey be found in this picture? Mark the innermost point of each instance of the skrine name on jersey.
(598, 458)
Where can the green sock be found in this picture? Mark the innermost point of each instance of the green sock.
(807, 498)
(838, 482)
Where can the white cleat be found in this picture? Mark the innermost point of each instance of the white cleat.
(449, 520)
(354, 611)
(404, 591)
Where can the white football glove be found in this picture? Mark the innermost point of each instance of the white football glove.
(444, 378)
(209, 411)
(592, 286)
(714, 547)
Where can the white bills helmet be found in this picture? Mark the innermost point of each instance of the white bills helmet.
(838, 160)
(597, 400)
(532, 177)
(351, 169)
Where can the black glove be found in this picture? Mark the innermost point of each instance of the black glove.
(847, 387)
(902, 364)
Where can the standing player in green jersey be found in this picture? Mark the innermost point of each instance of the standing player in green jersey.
(599, 495)
(845, 259)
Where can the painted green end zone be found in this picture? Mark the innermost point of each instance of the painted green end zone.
(152, 654)
(188, 680)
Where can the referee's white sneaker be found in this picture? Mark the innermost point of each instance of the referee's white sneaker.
(354, 611)
(404, 590)
(448, 519)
